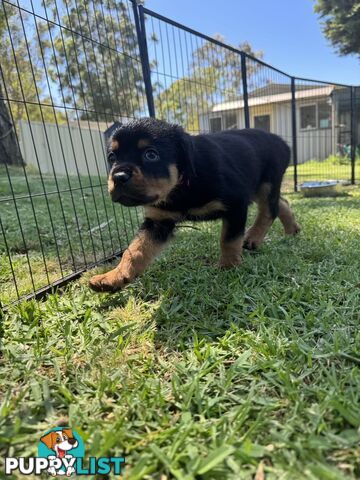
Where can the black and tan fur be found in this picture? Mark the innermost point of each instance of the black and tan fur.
(205, 177)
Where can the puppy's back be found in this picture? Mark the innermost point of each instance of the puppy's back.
(267, 146)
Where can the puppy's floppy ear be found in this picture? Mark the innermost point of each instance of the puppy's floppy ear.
(49, 440)
(186, 160)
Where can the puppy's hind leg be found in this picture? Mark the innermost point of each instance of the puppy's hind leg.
(267, 200)
(287, 218)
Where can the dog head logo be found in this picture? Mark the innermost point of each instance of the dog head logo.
(61, 446)
(60, 441)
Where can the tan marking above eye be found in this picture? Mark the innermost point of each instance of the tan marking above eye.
(114, 145)
(143, 143)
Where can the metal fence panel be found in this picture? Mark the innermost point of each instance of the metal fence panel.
(192, 76)
(69, 72)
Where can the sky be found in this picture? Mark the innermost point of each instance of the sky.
(287, 31)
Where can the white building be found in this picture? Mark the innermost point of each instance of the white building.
(74, 148)
(322, 117)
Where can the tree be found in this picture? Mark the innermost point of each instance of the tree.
(96, 69)
(341, 24)
(9, 147)
(214, 76)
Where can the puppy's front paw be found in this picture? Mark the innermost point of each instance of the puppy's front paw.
(108, 282)
(253, 240)
(229, 261)
(293, 229)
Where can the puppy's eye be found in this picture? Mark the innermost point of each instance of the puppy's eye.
(151, 155)
(65, 436)
(58, 439)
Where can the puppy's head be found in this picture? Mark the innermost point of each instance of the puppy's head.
(147, 159)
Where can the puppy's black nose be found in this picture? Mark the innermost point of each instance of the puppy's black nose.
(72, 441)
(121, 177)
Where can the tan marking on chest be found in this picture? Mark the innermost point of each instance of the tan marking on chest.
(159, 214)
(207, 209)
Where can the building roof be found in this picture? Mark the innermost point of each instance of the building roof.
(277, 88)
(275, 93)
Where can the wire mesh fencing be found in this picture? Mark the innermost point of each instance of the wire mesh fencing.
(72, 71)
(192, 75)
(208, 86)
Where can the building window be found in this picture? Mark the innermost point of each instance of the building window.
(324, 111)
(215, 124)
(262, 122)
(308, 117)
(230, 120)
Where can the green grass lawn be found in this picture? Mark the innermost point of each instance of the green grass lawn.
(198, 373)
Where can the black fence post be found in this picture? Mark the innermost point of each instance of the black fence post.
(294, 132)
(352, 133)
(245, 90)
(144, 56)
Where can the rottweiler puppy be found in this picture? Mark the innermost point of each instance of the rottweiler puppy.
(177, 177)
